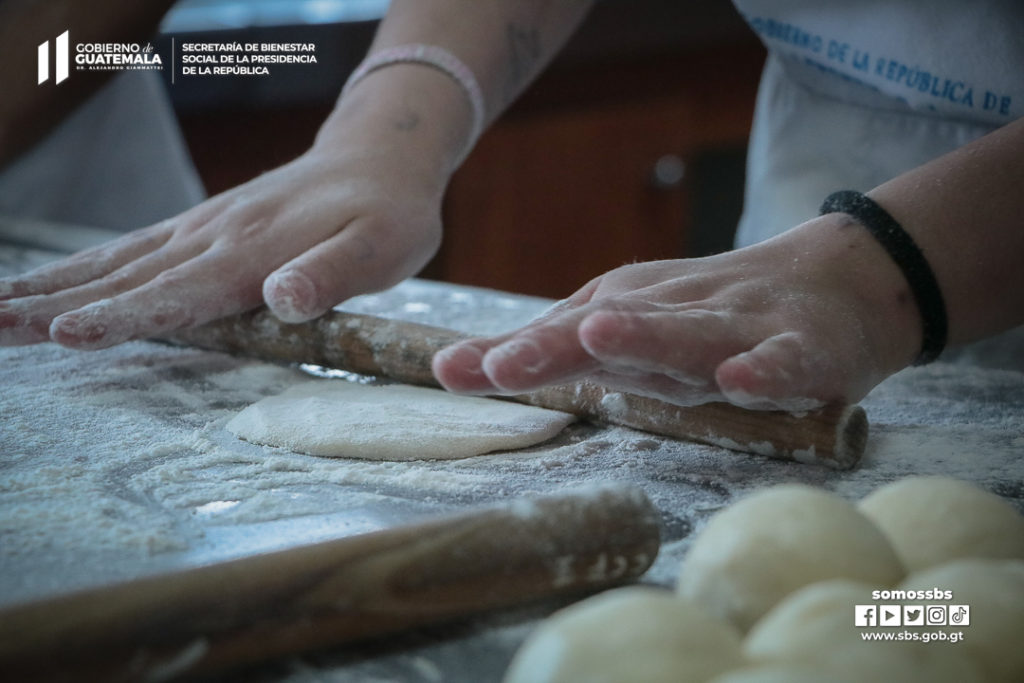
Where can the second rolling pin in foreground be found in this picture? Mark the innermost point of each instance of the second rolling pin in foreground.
(219, 616)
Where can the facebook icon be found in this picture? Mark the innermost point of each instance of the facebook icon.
(865, 615)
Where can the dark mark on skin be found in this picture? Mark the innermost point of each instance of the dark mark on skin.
(408, 120)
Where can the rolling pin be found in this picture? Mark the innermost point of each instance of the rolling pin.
(211, 618)
(834, 436)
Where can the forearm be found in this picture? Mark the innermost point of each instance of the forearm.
(966, 212)
(505, 43)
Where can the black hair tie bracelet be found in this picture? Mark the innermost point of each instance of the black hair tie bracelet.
(907, 255)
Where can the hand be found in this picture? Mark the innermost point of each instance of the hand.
(809, 318)
(325, 227)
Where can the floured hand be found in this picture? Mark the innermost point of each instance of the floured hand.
(775, 326)
(303, 238)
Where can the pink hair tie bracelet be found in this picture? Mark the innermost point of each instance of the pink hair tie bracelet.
(440, 59)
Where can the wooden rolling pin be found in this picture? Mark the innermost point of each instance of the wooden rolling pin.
(834, 436)
(213, 617)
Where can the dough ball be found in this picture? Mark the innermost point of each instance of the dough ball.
(814, 626)
(994, 592)
(933, 520)
(760, 549)
(392, 422)
(787, 672)
(877, 668)
(810, 622)
(635, 634)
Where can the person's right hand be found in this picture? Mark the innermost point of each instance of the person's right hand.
(817, 315)
(302, 238)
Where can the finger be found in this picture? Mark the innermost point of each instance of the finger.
(780, 373)
(210, 286)
(85, 266)
(582, 296)
(361, 257)
(27, 320)
(18, 326)
(537, 356)
(459, 368)
(521, 361)
(686, 346)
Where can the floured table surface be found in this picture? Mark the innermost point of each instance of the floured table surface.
(115, 464)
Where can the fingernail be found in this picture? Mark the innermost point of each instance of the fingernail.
(93, 327)
(71, 330)
(291, 296)
(466, 356)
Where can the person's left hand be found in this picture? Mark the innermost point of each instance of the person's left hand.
(329, 225)
(789, 324)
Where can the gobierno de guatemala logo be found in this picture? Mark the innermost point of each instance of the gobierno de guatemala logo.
(94, 57)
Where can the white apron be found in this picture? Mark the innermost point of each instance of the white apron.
(857, 92)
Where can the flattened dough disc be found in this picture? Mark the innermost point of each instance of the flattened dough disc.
(392, 422)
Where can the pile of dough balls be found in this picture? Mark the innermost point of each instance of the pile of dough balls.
(768, 588)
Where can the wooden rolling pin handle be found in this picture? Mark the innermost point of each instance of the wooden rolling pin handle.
(834, 436)
(214, 617)
(362, 344)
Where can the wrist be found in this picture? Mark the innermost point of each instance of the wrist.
(435, 57)
(908, 257)
(416, 116)
(892, 319)
(863, 277)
